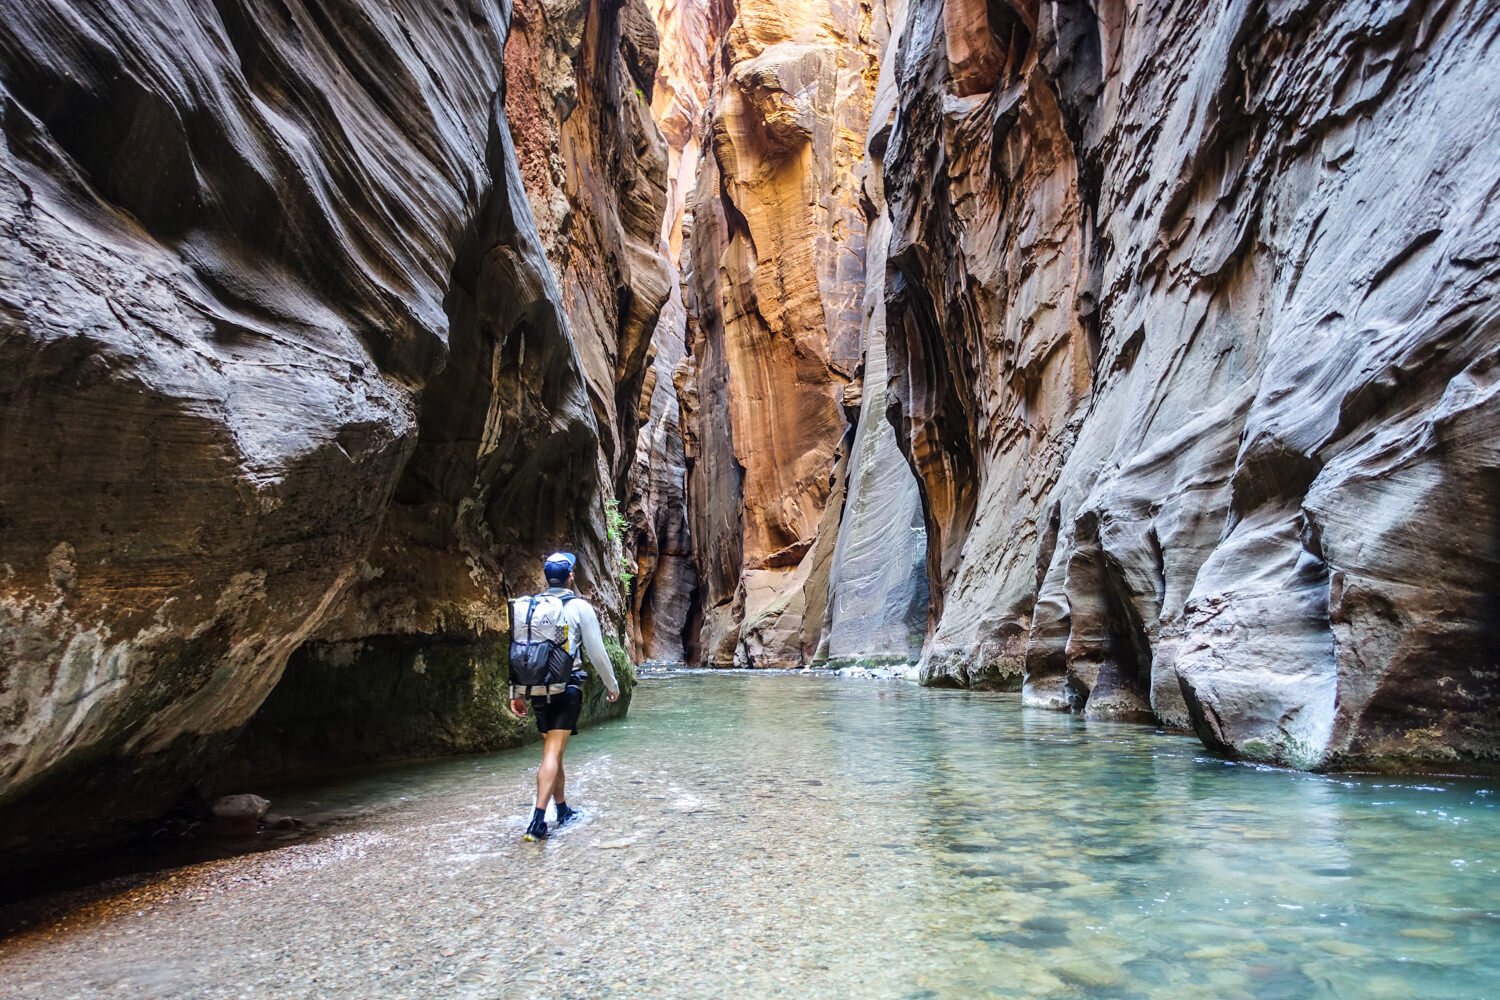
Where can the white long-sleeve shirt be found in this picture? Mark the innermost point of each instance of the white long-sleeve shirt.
(585, 635)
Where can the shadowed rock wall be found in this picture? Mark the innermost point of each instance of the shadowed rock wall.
(406, 697)
(284, 358)
(501, 473)
(1191, 315)
(877, 586)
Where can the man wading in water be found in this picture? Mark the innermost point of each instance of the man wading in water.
(551, 633)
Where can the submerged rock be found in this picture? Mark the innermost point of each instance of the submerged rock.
(238, 815)
(239, 806)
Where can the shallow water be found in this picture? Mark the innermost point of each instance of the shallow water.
(756, 835)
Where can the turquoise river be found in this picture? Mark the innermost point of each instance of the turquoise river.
(809, 836)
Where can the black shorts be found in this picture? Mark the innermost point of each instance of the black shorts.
(558, 712)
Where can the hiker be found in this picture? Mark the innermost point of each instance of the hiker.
(552, 632)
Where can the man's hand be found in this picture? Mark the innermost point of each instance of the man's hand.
(612, 695)
(518, 706)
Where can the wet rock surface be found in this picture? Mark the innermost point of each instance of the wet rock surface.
(1192, 331)
(238, 815)
(341, 707)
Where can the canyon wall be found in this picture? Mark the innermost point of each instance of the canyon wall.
(660, 544)
(289, 370)
(776, 268)
(1193, 332)
(878, 589)
(1141, 357)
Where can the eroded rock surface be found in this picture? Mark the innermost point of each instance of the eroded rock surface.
(877, 587)
(1193, 327)
(660, 546)
(347, 704)
(285, 359)
(501, 474)
(777, 267)
(319, 322)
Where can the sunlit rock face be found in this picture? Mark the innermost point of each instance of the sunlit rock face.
(777, 254)
(286, 361)
(659, 546)
(579, 87)
(1192, 323)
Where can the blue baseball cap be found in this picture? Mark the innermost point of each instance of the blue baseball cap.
(559, 564)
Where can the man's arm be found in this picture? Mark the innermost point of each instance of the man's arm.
(593, 646)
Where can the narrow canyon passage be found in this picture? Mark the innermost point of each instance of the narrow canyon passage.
(1125, 374)
(806, 836)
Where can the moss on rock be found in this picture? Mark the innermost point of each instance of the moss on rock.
(397, 698)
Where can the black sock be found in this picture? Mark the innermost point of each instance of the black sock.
(537, 816)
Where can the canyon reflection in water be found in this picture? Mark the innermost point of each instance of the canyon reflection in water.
(803, 835)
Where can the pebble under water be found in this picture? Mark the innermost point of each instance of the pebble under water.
(802, 835)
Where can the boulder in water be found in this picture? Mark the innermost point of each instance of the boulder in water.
(238, 815)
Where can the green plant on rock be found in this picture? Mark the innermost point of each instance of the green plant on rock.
(618, 658)
(597, 706)
(614, 531)
(614, 522)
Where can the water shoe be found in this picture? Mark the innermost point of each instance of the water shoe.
(536, 831)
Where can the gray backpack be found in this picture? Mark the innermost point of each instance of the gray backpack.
(540, 663)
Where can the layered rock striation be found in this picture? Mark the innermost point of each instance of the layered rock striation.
(660, 546)
(878, 588)
(1192, 330)
(289, 371)
(777, 274)
(1138, 356)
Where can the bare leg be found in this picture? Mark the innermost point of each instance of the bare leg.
(549, 777)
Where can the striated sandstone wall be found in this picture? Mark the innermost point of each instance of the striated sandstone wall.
(602, 194)
(1191, 315)
(987, 295)
(495, 481)
(777, 274)
(285, 358)
(659, 547)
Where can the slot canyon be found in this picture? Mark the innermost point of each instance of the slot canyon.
(1137, 357)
